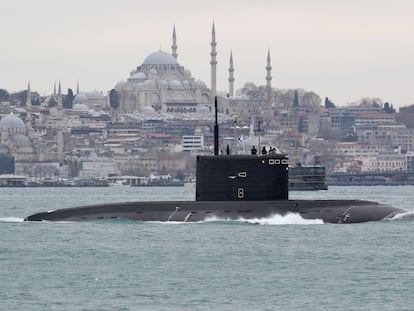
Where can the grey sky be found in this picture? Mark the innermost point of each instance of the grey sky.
(341, 49)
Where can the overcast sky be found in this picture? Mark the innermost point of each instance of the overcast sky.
(344, 50)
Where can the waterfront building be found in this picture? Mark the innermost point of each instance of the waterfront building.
(388, 162)
(356, 150)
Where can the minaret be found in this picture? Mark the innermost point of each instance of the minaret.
(59, 126)
(28, 107)
(269, 79)
(213, 63)
(77, 88)
(54, 88)
(231, 77)
(174, 45)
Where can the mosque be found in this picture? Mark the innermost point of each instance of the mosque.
(19, 139)
(162, 85)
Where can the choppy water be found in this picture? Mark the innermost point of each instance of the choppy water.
(270, 264)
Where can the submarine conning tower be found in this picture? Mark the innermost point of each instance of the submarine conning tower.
(242, 178)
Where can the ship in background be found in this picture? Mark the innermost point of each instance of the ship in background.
(307, 178)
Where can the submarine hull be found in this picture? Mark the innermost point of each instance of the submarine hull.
(329, 211)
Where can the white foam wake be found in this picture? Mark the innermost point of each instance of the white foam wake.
(288, 219)
(403, 215)
(11, 219)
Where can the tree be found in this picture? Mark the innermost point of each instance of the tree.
(369, 102)
(22, 97)
(114, 99)
(296, 99)
(388, 108)
(329, 103)
(68, 101)
(4, 95)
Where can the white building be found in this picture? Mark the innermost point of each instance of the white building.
(388, 162)
(356, 150)
(193, 143)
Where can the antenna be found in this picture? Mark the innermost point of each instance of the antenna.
(216, 129)
(259, 136)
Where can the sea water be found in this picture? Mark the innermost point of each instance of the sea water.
(279, 263)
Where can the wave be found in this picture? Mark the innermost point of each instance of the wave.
(11, 219)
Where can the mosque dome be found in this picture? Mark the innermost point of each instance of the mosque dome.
(152, 72)
(186, 84)
(139, 76)
(11, 121)
(160, 58)
(201, 83)
(94, 95)
(187, 73)
(149, 83)
(80, 98)
(162, 83)
(175, 83)
(80, 107)
(19, 139)
(203, 109)
(120, 84)
(148, 109)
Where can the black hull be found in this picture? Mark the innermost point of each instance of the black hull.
(329, 211)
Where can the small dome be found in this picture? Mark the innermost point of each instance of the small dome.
(160, 58)
(80, 98)
(149, 83)
(80, 107)
(120, 84)
(201, 83)
(11, 121)
(175, 83)
(152, 71)
(95, 95)
(133, 71)
(162, 83)
(203, 109)
(19, 139)
(148, 109)
(187, 73)
(186, 84)
(139, 76)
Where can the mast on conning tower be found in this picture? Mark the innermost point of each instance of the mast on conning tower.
(216, 129)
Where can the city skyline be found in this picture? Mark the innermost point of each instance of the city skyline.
(344, 51)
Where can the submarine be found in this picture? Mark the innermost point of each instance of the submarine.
(232, 187)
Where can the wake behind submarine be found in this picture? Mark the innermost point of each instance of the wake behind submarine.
(232, 187)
